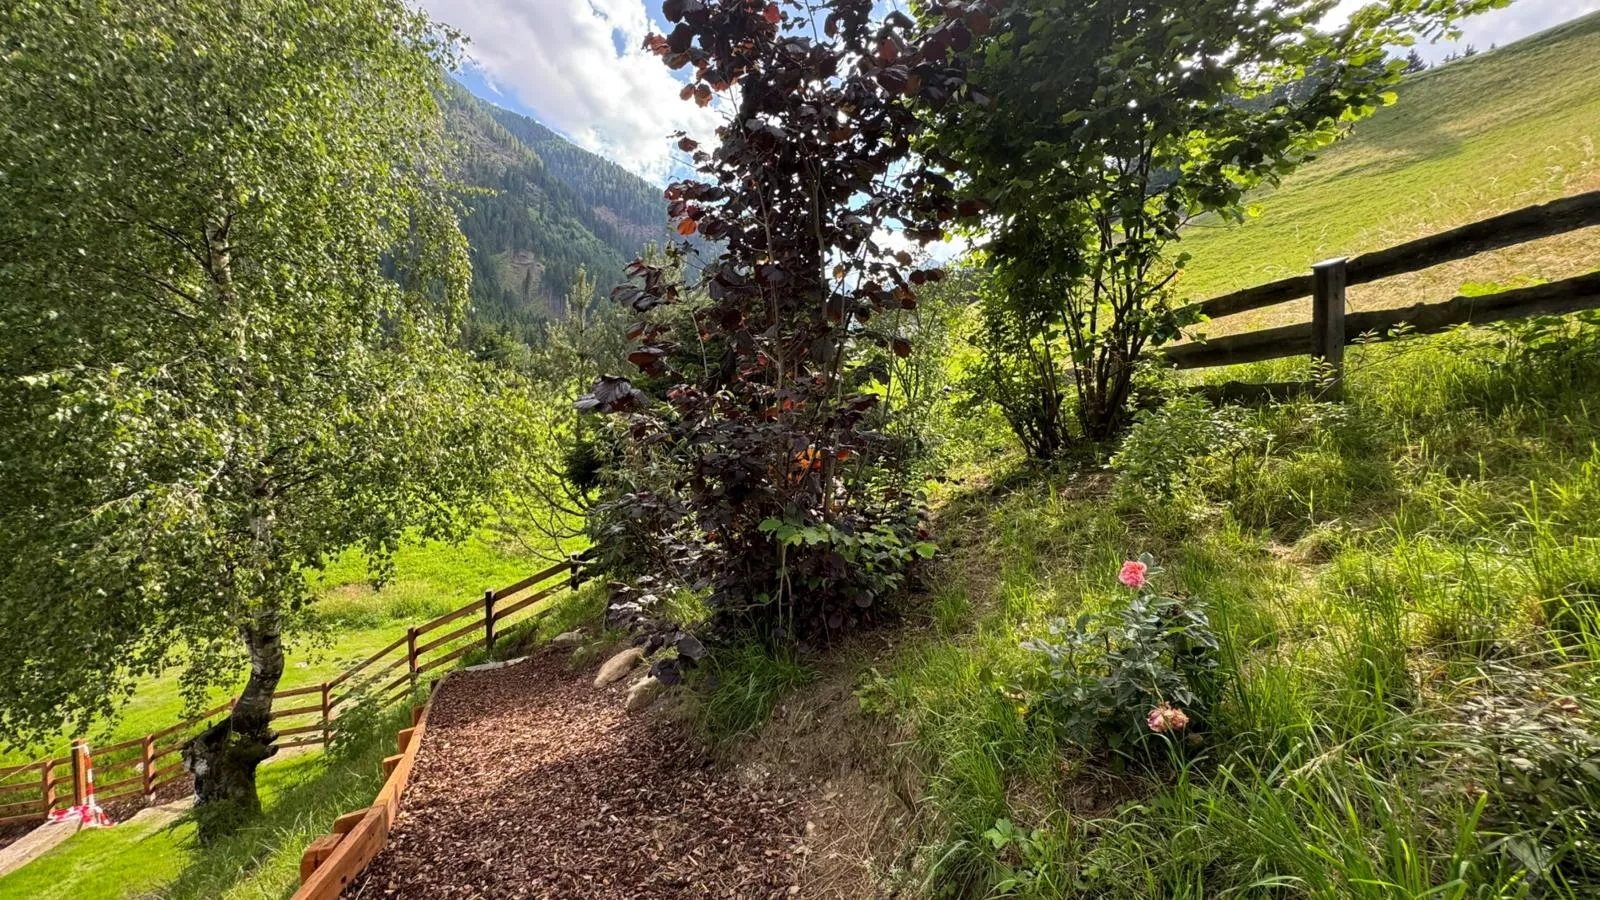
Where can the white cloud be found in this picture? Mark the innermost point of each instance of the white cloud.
(578, 67)
(1497, 26)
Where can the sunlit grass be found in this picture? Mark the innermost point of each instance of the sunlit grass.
(1492, 133)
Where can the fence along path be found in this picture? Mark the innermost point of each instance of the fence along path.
(1332, 327)
(137, 769)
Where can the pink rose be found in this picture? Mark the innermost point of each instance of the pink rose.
(1132, 574)
(1167, 717)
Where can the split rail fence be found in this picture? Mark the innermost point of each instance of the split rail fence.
(1332, 326)
(136, 770)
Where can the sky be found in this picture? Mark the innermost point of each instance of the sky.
(577, 66)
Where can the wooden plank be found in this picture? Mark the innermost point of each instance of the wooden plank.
(1508, 229)
(368, 836)
(31, 785)
(1327, 323)
(121, 782)
(1505, 230)
(300, 729)
(17, 820)
(1270, 294)
(297, 711)
(169, 770)
(32, 803)
(101, 752)
(469, 628)
(137, 791)
(317, 852)
(1252, 346)
(313, 689)
(402, 739)
(447, 618)
(163, 782)
(306, 742)
(6, 771)
(350, 672)
(347, 822)
(168, 750)
(373, 677)
(525, 602)
(454, 654)
(1556, 298)
(557, 569)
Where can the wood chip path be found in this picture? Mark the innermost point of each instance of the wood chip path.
(533, 783)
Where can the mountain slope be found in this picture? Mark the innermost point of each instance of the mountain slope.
(540, 209)
(1500, 130)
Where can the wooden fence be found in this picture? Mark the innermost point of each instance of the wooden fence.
(1332, 327)
(136, 770)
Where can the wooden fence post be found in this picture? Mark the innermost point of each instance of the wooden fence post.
(47, 788)
(488, 620)
(147, 763)
(80, 772)
(327, 712)
(411, 655)
(1328, 280)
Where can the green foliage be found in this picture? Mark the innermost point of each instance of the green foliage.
(737, 688)
(1405, 673)
(1172, 446)
(232, 274)
(538, 212)
(1149, 667)
(1105, 133)
(301, 797)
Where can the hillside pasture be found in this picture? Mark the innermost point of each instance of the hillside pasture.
(1495, 132)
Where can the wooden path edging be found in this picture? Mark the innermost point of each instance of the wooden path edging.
(332, 861)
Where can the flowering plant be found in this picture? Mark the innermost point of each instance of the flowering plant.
(1149, 668)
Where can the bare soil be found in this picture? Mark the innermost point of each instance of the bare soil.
(532, 783)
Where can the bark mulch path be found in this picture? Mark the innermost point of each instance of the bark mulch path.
(533, 783)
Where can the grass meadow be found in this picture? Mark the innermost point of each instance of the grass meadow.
(1498, 131)
(301, 794)
(1406, 589)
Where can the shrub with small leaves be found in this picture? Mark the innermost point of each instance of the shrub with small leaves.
(1168, 447)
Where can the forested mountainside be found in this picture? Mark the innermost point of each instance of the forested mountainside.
(542, 208)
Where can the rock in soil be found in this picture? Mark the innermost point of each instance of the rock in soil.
(642, 693)
(567, 639)
(529, 783)
(618, 666)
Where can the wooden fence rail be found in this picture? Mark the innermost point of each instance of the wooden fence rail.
(140, 767)
(1332, 327)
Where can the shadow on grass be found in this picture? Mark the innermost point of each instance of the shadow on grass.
(302, 797)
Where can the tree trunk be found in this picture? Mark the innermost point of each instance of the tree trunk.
(223, 758)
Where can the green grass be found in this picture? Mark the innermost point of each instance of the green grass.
(1404, 586)
(1495, 132)
(350, 620)
(300, 796)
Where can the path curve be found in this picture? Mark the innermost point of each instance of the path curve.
(533, 783)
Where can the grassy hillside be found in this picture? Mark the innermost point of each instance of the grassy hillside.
(1484, 135)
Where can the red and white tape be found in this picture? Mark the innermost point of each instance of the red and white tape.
(88, 813)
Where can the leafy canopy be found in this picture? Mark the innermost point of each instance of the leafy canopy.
(231, 268)
(776, 495)
(1112, 125)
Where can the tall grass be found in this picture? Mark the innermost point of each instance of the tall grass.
(1407, 591)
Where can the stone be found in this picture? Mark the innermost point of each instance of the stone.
(643, 692)
(567, 639)
(618, 666)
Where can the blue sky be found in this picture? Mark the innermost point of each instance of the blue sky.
(577, 66)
